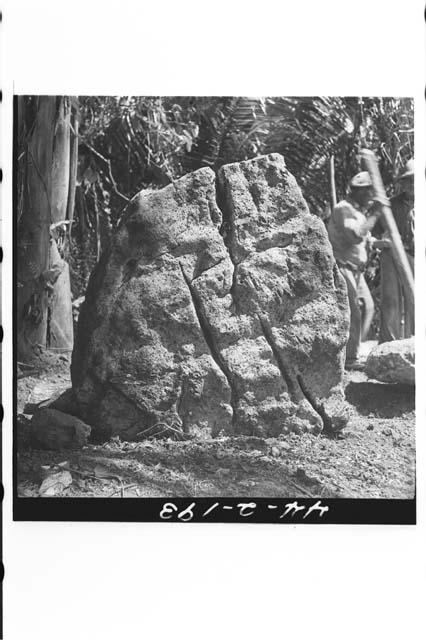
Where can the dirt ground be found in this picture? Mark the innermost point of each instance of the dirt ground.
(374, 457)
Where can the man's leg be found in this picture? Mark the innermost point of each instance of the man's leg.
(390, 299)
(354, 341)
(409, 308)
(367, 315)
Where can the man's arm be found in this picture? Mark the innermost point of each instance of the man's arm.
(372, 219)
(345, 217)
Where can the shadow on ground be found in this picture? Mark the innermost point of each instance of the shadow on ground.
(384, 400)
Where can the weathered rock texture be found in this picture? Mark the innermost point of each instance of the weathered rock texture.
(218, 307)
(392, 362)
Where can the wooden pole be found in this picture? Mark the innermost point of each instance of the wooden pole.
(333, 196)
(397, 248)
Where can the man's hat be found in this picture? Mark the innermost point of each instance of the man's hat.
(361, 179)
(409, 170)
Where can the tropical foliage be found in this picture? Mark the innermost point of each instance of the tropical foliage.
(130, 143)
(151, 141)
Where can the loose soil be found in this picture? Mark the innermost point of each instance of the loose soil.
(374, 457)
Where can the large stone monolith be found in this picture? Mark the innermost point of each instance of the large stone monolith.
(217, 308)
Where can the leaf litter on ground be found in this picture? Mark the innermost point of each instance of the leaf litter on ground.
(344, 467)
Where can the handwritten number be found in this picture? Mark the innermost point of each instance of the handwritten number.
(246, 508)
(187, 514)
(170, 509)
(167, 511)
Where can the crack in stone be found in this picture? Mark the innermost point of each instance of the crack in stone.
(208, 337)
(233, 289)
(214, 216)
(224, 231)
(285, 373)
(295, 384)
(131, 268)
(316, 406)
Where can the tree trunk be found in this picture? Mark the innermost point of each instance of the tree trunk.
(61, 161)
(46, 188)
(60, 321)
(33, 231)
(60, 334)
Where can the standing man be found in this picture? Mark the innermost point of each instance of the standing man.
(396, 313)
(349, 232)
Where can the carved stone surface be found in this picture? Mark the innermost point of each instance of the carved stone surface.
(217, 308)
